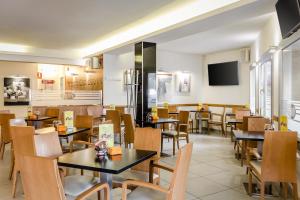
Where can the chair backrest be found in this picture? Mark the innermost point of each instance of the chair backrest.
(163, 112)
(256, 124)
(121, 109)
(23, 141)
(115, 117)
(179, 178)
(17, 122)
(52, 112)
(239, 114)
(147, 139)
(83, 121)
(279, 157)
(129, 129)
(40, 178)
(183, 118)
(95, 111)
(47, 145)
(5, 126)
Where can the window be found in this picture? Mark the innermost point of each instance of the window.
(265, 88)
(290, 81)
(253, 89)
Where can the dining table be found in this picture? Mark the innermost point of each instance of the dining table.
(35, 121)
(161, 121)
(87, 160)
(198, 118)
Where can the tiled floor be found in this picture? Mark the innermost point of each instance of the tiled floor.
(214, 172)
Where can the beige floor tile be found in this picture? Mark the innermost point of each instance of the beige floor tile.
(201, 187)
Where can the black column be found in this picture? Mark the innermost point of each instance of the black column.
(145, 64)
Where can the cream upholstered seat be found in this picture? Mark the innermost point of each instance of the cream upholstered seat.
(176, 190)
(142, 193)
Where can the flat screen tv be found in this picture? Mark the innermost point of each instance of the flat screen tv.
(223, 73)
(288, 13)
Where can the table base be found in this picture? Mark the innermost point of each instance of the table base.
(106, 178)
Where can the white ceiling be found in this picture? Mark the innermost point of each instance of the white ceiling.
(228, 36)
(236, 28)
(68, 24)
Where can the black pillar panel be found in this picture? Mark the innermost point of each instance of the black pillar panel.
(145, 64)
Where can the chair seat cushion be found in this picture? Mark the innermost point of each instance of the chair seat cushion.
(133, 175)
(142, 193)
(75, 185)
(256, 166)
(173, 133)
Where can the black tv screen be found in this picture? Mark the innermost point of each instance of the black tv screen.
(223, 73)
(288, 13)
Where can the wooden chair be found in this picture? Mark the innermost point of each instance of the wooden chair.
(278, 162)
(217, 119)
(23, 143)
(84, 121)
(5, 131)
(129, 130)
(121, 109)
(177, 187)
(144, 139)
(14, 122)
(51, 112)
(239, 115)
(96, 111)
(180, 132)
(254, 124)
(47, 145)
(115, 117)
(163, 113)
(40, 178)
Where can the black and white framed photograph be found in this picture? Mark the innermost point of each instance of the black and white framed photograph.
(183, 82)
(16, 91)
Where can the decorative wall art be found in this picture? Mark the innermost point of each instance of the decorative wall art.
(183, 82)
(164, 87)
(16, 91)
(81, 79)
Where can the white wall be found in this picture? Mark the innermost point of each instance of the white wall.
(114, 66)
(238, 94)
(269, 36)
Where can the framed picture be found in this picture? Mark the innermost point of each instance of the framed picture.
(16, 91)
(164, 88)
(184, 82)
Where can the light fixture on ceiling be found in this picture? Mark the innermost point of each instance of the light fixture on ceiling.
(6, 47)
(173, 17)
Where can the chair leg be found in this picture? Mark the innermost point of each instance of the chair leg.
(2, 150)
(223, 131)
(262, 190)
(177, 142)
(187, 139)
(174, 146)
(12, 165)
(285, 190)
(295, 191)
(250, 183)
(15, 179)
(161, 143)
